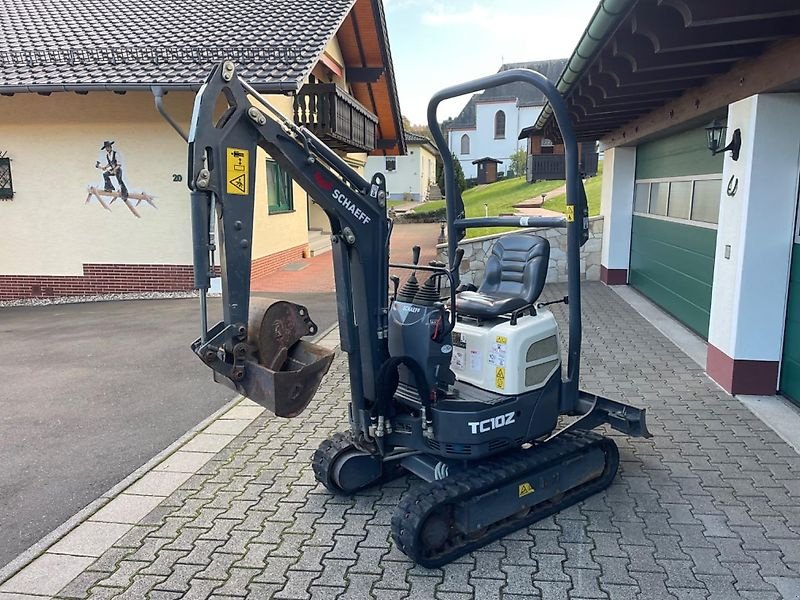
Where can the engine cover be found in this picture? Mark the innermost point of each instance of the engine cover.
(504, 358)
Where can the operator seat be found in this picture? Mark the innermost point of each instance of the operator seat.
(514, 278)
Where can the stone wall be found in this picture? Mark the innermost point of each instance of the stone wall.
(477, 250)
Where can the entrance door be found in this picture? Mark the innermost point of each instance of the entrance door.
(790, 367)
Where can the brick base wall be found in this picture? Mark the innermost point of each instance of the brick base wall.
(121, 279)
(273, 262)
(99, 279)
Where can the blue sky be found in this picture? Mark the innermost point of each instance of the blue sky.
(436, 43)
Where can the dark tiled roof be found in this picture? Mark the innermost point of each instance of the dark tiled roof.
(285, 39)
(524, 93)
(413, 138)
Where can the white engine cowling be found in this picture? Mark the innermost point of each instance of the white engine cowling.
(504, 358)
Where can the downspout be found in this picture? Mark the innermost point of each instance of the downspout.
(158, 94)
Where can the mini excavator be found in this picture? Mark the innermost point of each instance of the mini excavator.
(462, 388)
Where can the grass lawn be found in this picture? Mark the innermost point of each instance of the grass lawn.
(500, 198)
(393, 203)
(592, 187)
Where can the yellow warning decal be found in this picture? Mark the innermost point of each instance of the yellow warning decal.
(502, 339)
(500, 377)
(238, 171)
(570, 214)
(525, 489)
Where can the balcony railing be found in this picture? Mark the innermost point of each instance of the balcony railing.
(552, 166)
(335, 117)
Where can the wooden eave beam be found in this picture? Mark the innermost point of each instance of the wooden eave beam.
(707, 12)
(622, 72)
(664, 28)
(364, 74)
(777, 66)
(639, 52)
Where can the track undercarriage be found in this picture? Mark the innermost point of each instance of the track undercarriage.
(475, 503)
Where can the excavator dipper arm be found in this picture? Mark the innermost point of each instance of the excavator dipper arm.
(223, 162)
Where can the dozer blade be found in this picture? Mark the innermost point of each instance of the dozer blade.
(286, 370)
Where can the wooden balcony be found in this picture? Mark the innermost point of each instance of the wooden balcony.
(335, 117)
(552, 166)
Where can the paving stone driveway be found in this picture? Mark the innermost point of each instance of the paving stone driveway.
(707, 508)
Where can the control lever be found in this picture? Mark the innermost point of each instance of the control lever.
(415, 255)
(457, 261)
(565, 300)
(395, 284)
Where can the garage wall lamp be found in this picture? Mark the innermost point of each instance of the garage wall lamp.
(715, 136)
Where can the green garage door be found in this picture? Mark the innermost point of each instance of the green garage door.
(790, 367)
(674, 235)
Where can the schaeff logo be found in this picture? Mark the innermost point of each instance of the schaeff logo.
(493, 423)
(341, 198)
(348, 204)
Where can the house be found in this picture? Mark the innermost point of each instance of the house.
(93, 195)
(489, 123)
(545, 159)
(412, 176)
(697, 104)
(486, 169)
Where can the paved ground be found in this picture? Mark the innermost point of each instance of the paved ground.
(707, 508)
(316, 274)
(90, 393)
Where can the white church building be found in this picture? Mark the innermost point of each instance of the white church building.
(490, 122)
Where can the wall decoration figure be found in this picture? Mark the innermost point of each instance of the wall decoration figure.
(110, 163)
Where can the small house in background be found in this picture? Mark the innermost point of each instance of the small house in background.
(487, 169)
(546, 159)
(412, 176)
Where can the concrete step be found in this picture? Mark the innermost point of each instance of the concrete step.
(319, 242)
(434, 193)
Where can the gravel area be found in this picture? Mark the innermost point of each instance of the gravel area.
(102, 298)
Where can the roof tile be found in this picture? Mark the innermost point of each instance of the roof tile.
(289, 35)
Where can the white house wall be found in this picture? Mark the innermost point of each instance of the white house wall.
(482, 140)
(414, 173)
(49, 228)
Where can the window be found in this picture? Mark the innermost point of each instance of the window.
(6, 188)
(465, 144)
(642, 200)
(680, 199)
(499, 125)
(279, 189)
(659, 194)
(705, 201)
(391, 163)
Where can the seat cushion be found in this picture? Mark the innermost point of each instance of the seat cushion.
(514, 277)
(483, 306)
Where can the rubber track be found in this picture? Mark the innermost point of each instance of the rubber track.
(325, 456)
(415, 507)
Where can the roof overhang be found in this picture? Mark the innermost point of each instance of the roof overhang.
(364, 42)
(637, 56)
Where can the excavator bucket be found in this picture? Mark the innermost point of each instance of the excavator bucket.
(285, 371)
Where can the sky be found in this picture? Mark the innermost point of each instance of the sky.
(437, 43)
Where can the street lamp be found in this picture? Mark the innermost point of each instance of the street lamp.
(715, 137)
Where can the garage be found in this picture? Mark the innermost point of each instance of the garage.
(674, 227)
(790, 365)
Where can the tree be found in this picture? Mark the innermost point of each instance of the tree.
(422, 130)
(461, 181)
(519, 163)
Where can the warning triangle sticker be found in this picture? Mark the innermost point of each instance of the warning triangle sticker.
(240, 183)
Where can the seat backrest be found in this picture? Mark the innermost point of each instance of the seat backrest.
(517, 267)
